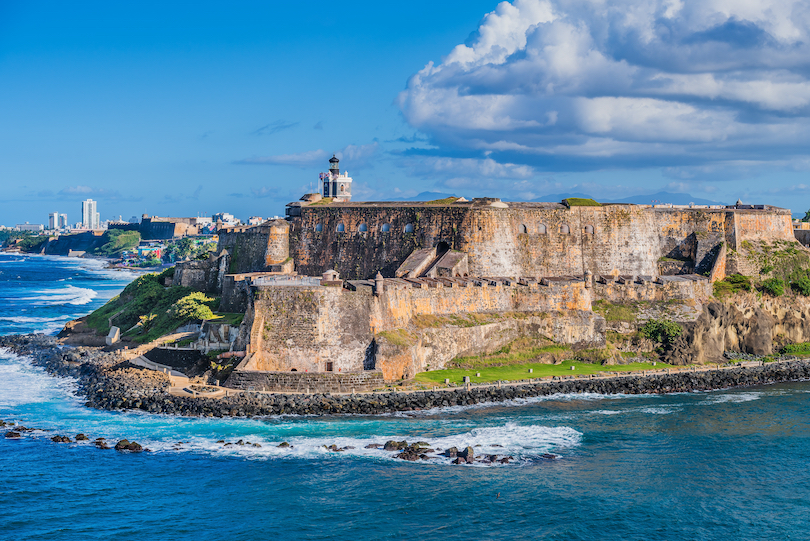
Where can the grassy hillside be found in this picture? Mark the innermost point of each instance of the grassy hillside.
(117, 241)
(145, 310)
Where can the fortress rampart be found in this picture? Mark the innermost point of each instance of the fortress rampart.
(523, 239)
(425, 283)
(333, 329)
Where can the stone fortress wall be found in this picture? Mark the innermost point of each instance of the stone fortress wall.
(523, 239)
(316, 329)
(568, 258)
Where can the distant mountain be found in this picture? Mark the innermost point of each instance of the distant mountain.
(557, 197)
(664, 197)
(426, 196)
(660, 197)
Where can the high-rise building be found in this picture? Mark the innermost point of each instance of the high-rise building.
(53, 220)
(90, 216)
(63, 223)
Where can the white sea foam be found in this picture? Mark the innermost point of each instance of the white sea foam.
(524, 442)
(659, 410)
(25, 319)
(23, 383)
(72, 295)
(733, 397)
(516, 402)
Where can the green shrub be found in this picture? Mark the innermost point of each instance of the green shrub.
(664, 331)
(774, 287)
(731, 284)
(580, 202)
(801, 285)
(195, 306)
(796, 349)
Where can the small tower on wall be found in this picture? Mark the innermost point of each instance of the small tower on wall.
(336, 185)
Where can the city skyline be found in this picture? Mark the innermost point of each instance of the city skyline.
(170, 111)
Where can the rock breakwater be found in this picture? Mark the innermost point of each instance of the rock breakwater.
(109, 383)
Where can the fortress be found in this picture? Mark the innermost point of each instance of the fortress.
(346, 295)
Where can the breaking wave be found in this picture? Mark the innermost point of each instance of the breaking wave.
(71, 295)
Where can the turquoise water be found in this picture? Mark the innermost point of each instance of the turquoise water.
(726, 464)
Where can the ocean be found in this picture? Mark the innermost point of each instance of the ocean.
(717, 465)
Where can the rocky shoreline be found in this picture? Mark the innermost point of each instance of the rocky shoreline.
(109, 383)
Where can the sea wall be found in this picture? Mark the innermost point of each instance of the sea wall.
(101, 383)
(303, 382)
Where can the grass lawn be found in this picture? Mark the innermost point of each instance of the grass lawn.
(521, 371)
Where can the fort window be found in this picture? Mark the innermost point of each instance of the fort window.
(294, 370)
(330, 367)
(386, 228)
(564, 229)
(522, 229)
(341, 228)
(589, 230)
(319, 228)
(409, 228)
(541, 229)
(363, 228)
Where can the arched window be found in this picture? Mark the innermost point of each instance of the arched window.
(564, 229)
(541, 229)
(409, 228)
(589, 230)
(385, 228)
(341, 228)
(319, 228)
(522, 229)
(363, 228)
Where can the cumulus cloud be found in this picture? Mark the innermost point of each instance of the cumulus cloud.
(618, 82)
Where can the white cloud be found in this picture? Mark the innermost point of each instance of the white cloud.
(624, 81)
(300, 159)
(356, 155)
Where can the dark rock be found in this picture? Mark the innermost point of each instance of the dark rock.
(467, 454)
(458, 460)
(548, 456)
(60, 439)
(81, 437)
(283, 444)
(126, 445)
(373, 446)
(12, 435)
(451, 452)
(392, 445)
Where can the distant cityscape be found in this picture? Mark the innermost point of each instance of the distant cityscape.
(91, 220)
(145, 241)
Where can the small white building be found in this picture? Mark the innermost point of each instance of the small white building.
(336, 185)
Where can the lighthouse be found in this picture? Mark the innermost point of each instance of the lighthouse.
(336, 185)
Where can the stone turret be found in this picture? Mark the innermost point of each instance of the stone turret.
(378, 284)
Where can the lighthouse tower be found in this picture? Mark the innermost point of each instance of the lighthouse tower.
(336, 185)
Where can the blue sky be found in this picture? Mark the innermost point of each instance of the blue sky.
(174, 108)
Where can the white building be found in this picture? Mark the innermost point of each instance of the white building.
(53, 220)
(30, 227)
(90, 216)
(336, 185)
